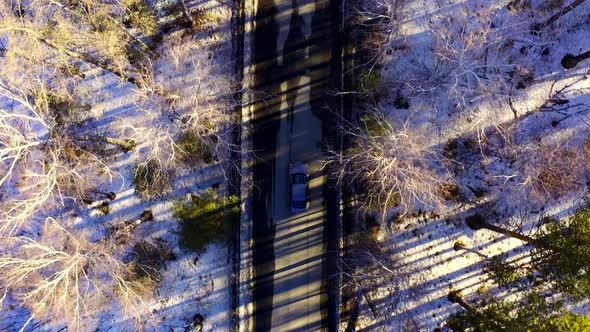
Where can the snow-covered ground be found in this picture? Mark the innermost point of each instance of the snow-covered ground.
(485, 94)
(196, 71)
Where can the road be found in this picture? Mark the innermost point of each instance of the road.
(292, 52)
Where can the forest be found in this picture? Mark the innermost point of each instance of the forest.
(464, 166)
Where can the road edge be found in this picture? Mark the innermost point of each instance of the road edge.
(334, 234)
(247, 10)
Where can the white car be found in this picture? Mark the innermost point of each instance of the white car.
(298, 178)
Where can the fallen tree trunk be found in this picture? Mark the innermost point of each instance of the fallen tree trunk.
(125, 144)
(570, 61)
(455, 297)
(476, 222)
(537, 27)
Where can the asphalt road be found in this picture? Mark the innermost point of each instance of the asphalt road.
(292, 52)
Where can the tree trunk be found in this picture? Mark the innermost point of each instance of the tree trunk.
(510, 233)
(476, 222)
(537, 27)
(455, 297)
(146, 215)
(77, 55)
(125, 144)
(570, 61)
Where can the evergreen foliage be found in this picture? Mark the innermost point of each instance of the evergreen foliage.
(533, 313)
(565, 259)
(502, 272)
(203, 219)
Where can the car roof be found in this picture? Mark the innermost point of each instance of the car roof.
(299, 192)
(295, 168)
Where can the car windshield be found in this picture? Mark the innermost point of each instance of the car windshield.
(298, 178)
(298, 204)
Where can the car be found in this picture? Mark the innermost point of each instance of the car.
(299, 186)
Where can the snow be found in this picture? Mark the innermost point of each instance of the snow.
(495, 151)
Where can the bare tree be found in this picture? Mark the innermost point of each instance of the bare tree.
(62, 276)
(381, 20)
(93, 35)
(392, 166)
(43, 164)
(367, 267)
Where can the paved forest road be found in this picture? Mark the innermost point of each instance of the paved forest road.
(292, 52)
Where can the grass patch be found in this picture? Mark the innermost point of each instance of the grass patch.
(450, 192)
(171, 9)
(204, 219)
(63, 108)
(551, 5)
(202, 17)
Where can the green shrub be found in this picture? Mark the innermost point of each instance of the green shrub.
(571, 323)
(203, 219)
(531, 313)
